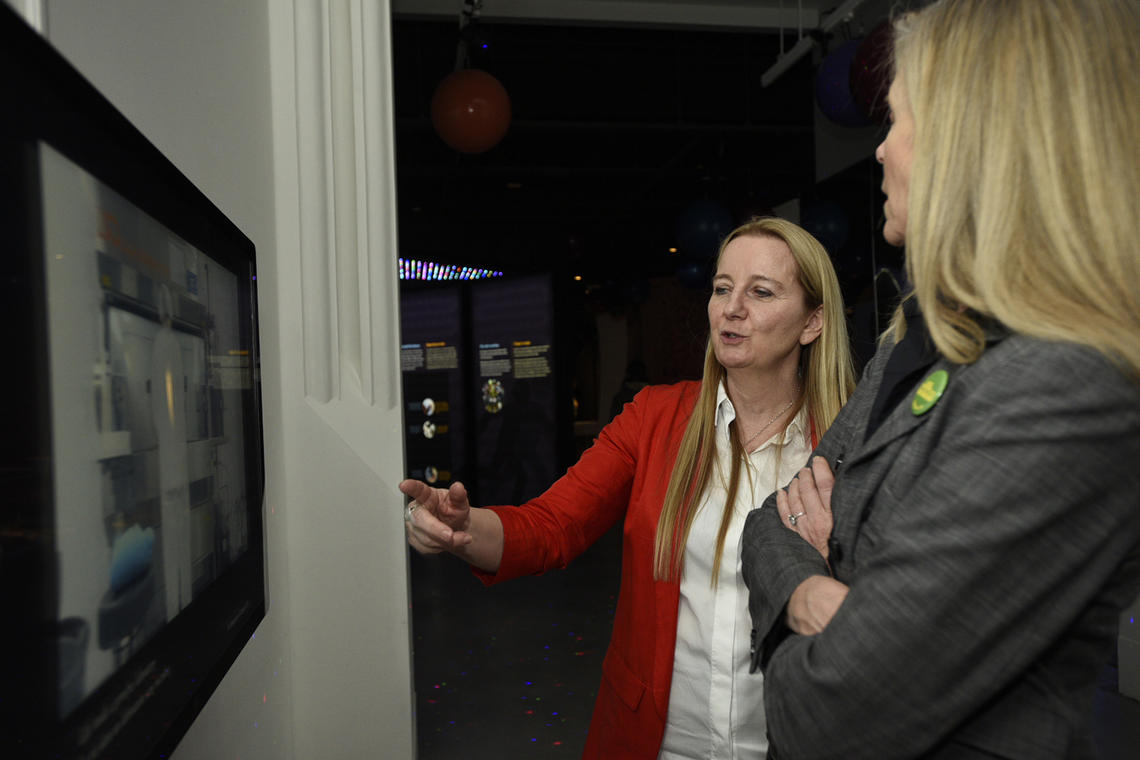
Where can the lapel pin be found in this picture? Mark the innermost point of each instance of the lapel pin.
(929, 392)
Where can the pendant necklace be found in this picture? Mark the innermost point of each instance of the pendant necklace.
(768, 424)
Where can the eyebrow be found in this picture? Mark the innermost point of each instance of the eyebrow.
(751, 278)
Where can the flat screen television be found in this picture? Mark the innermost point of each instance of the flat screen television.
(131, 543)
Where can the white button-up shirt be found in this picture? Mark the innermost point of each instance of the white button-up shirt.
(716, 707)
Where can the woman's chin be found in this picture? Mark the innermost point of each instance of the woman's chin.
(737, 365)
(893, 235)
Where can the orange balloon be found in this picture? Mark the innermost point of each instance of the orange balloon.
(470, 111)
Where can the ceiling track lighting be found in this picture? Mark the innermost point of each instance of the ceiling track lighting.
(804, 44)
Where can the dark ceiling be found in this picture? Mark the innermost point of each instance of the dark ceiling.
(615, 132)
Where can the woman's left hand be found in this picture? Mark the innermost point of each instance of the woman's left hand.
(814, 603)
(806, 507)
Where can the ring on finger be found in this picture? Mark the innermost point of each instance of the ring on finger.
(792, 518)
(409, 509)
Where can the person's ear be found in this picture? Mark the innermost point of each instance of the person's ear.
(813, 327)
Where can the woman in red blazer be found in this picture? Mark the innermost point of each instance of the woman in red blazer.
(777, 370)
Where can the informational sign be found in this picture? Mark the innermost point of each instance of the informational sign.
(515, 398)
(431, 357)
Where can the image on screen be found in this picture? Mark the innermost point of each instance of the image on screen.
(147, 373)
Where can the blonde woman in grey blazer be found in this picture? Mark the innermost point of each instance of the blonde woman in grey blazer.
(945, 580)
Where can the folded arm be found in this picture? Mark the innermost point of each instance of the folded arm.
(970, 567)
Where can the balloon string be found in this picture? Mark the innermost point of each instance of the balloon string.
(469, 14)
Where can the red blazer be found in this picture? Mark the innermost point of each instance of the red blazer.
(624, 475)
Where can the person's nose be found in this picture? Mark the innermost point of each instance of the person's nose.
(879, 151)
(734, 305)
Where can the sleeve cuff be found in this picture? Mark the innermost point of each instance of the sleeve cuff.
(774, 562)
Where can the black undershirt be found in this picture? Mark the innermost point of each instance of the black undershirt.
(910, 360)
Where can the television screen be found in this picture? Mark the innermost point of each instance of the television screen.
(131, 553)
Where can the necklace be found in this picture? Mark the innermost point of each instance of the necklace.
(768, 424)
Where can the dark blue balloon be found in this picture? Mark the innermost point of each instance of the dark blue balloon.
(701, 226)
(694, 271)
(833, 86)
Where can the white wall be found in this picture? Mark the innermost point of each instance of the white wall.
(244, 97)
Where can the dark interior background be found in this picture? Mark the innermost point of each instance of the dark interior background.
(618, 136)
(613, 133)
(621, 139)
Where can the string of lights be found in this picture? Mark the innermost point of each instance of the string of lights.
(412, 269)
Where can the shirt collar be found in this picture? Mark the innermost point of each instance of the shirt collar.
(994, 330)
(726, 413)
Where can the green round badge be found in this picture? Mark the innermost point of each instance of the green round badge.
(929, 392)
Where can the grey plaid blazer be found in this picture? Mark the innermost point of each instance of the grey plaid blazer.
(989, 545)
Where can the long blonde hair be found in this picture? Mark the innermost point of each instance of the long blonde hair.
(1026, 171)
(828, 379)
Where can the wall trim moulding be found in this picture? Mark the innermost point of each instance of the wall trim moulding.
(347, 202)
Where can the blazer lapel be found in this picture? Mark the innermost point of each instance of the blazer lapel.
(859, 477)
(901, 421)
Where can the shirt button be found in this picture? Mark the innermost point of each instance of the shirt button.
(834, 551)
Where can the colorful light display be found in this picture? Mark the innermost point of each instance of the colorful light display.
(411, 269)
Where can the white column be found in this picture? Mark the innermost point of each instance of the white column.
(342, 442)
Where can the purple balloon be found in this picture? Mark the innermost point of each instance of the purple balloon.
(833, 86)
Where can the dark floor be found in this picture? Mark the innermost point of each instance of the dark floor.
(511, 671)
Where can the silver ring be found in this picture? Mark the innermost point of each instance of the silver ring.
(409, 508)
(792, 518)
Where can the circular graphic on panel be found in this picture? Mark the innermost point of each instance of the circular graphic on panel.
(492, 395)
(429, 429)
(428, 406)
(431, 474)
